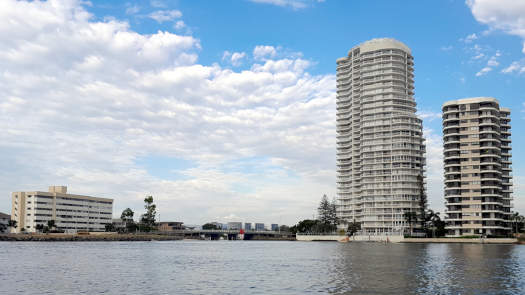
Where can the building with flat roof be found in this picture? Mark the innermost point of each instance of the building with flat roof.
(477, 162)
(259, 227)
(4, 220)
(170, 226)
(275, 227)
(70, 212)
(247, 226)
(234, 225)
(380, 144)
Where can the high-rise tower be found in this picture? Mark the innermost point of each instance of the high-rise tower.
(380, 145)
(476, 138)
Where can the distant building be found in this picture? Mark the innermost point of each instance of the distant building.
(259, 226)
(4, 219)
(70, 212)
(247, 226)
(234, 225)
(170, 225)
(275, 227)
(218, 225)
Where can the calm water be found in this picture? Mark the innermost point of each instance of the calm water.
(259, 267)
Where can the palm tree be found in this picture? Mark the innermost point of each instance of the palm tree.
(514, 218)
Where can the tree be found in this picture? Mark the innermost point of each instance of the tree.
(147, 220)
(353, 227)
(3, 227)
(410, 217)
(127, 218)
(109, 227)
(39, 227)
(332, 213)
(12, 223)
(433, 225)
(51, 224)
(323, 211)
(210, 226)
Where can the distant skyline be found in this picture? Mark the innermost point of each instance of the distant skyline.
(225, 110)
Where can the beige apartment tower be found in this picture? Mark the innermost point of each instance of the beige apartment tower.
(380, 145)
(478, 173)
(70, 212)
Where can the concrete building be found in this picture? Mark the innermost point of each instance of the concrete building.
(275, 227)
(478, 173)
(70, 212)
(247, 226)
(4, 219)
(234, 225)
(380, 145)
(166, 226)
(259, 227)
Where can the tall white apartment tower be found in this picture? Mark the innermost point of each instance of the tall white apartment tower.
(478, 173)
(380, 145)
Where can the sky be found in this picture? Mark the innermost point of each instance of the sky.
(225, 110)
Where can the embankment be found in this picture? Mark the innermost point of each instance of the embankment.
(87, 238)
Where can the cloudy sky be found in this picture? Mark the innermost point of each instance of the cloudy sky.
(225, 110)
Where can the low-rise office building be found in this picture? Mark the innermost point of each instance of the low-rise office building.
(275, 227)
(170, 226)
(259, 227)
(247, 226)
(4, 220)
(234, 225)
(70, 212)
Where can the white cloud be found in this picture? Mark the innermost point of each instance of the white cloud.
(157, 4)
(295, 4)
(517, 66)
(470, 38)
(179, 25)
(82, 100)
(261, 52)
(165, 15)
(236, 58)
(429, 115)
(483, 71)
(132, 9)
(447, 48)
(504, 15)
(434, 155)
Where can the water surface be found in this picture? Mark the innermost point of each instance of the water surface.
(259, 267)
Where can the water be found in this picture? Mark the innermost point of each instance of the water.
(259, 267)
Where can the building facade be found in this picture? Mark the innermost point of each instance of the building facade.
(275, 227)
(478, 173)
(70, 212)
(167, 226)
(247, 226)
(234, 225)
(259, 227)
(4, 221)
(380, 145)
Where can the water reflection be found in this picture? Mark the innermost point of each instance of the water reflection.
(193, 267)
(373, 268)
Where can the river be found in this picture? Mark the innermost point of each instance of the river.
(259, 267)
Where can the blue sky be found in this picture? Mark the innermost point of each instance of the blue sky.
(225, 110)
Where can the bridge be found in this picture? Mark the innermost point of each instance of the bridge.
(216, 234)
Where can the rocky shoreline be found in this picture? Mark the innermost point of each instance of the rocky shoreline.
(87, 238)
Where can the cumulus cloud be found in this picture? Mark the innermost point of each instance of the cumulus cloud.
(515, 67)
(504, 15)
(261, 52)
(83, 100)
(165, 15)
